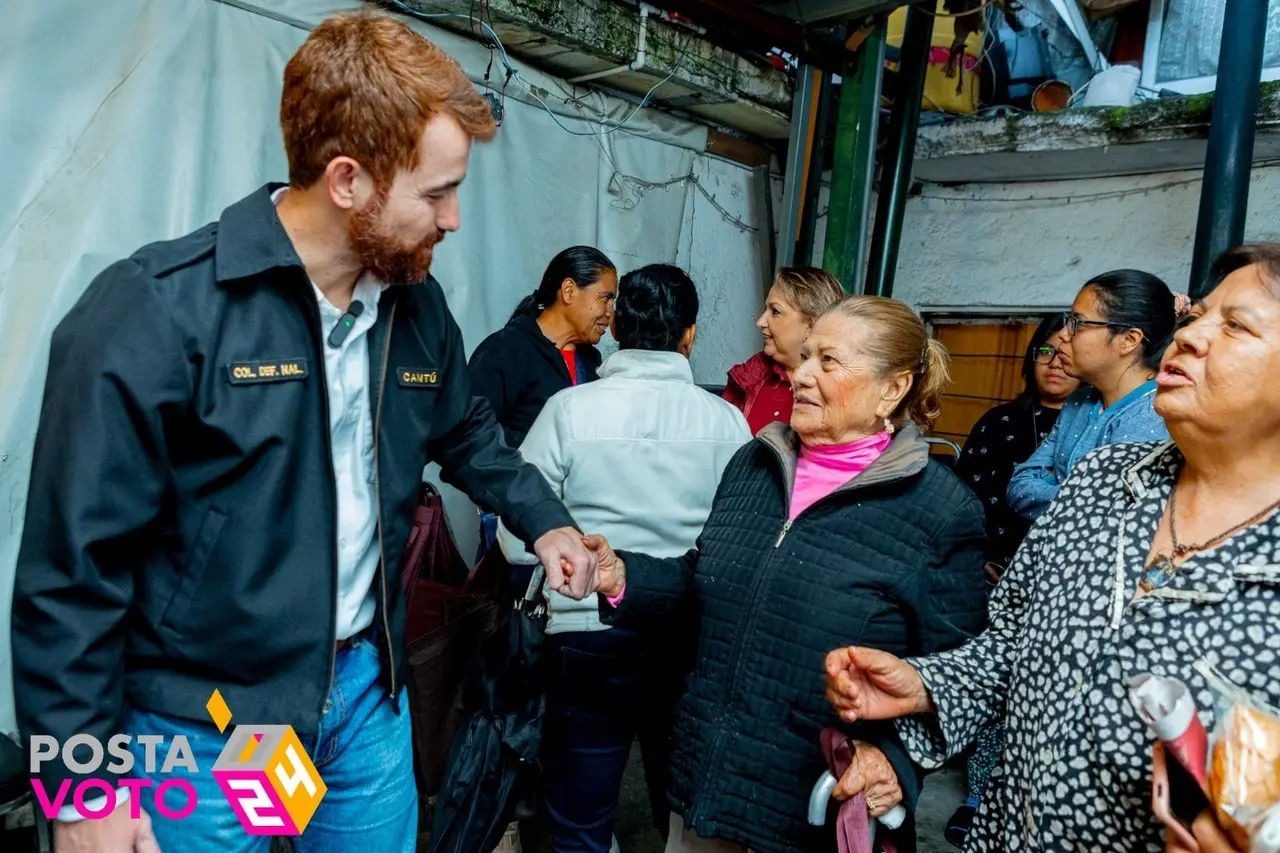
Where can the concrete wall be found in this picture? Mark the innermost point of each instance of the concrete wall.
(1009, 246)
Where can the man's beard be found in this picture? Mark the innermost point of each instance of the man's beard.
(382, 254)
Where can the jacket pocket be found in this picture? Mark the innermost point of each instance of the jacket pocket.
(801, 732)
(808, 725)
(193, 571)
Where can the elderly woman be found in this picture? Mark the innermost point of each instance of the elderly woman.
(839, 526)
(1114, 335)
(1156, 557)
(761, 386)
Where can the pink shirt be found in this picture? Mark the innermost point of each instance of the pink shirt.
(822, 470)
(819, 472)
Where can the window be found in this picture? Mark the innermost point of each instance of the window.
(1183, 38)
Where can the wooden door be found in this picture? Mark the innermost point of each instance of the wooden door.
(986, 370)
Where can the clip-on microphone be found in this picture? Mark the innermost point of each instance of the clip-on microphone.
(345, 324)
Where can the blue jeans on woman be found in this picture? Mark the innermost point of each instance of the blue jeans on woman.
(363, 752)
(606, 688)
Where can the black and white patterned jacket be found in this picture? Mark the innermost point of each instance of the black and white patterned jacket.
(1067, 632)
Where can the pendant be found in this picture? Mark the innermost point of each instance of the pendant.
(1158, 573)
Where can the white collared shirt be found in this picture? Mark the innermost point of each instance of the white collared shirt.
(346, 371)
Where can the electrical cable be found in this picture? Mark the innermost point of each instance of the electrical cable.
(613, 129)
(513, 73)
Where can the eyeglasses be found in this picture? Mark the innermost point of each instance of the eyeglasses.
(1071, 324)
(1045, 354)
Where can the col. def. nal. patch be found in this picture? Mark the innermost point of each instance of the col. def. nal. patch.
(276, 370)
(418, 377)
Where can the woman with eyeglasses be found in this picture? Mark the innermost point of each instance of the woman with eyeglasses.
(1112, 340)
(1002, 438)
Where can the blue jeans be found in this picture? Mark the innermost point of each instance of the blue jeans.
(363, 752)
(607, 687)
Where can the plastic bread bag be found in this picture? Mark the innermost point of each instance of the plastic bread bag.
(1237, 766)
(1244, 769)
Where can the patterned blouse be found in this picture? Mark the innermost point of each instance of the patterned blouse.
(1068, 629)
(1002, 438)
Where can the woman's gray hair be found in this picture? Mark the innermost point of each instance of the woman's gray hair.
(899, 343)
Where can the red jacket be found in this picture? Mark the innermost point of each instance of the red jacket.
(760, 389)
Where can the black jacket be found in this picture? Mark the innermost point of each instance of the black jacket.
(893, 560)
(180, 528)
(1002, 439)
(518, 370)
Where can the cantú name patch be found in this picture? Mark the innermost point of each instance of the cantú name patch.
(255, 372)
(418, 377)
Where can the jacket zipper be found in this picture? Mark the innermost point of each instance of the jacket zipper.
(377, 491)
(736, 670)
(782, 534)
(333, 482)
(713, 756)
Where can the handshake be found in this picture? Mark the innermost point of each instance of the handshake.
(578, 565)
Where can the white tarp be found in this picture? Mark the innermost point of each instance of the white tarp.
(130, 121)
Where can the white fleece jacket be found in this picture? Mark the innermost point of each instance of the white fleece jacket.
(636, 456)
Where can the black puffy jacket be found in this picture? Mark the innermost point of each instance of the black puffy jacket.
(892, 560)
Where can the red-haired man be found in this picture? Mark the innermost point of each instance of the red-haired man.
(233, 435)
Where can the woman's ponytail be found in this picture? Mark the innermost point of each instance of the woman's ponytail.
(1139, 300)
(528, 307)
(925, 398)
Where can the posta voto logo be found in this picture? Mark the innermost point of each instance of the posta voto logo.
(263, 771)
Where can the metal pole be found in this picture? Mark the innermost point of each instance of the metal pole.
(769, 249)
(844, 252)
(817, 167)
(1224, 194)
(895, 177)
(797, 157)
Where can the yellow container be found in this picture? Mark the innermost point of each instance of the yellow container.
(940, 90)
